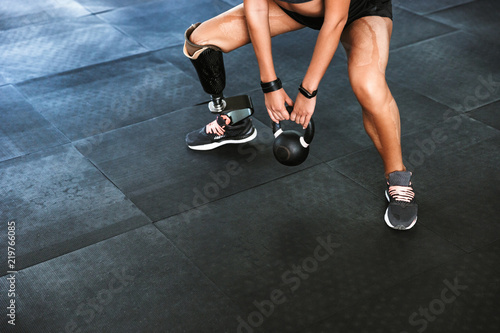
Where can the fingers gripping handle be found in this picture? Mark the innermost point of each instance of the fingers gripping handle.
(308, 134)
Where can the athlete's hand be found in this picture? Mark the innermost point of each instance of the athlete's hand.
(275, 104)
(303, 110)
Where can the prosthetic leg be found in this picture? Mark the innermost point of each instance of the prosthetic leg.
(233, 124)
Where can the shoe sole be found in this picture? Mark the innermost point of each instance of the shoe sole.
(386, 218)
(214, 145)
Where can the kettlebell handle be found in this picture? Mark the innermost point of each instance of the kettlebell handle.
(308, 136)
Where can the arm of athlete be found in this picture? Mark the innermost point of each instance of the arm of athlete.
(257, 16)
(336, 12)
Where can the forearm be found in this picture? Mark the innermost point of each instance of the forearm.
(324, 50)
(257, 17)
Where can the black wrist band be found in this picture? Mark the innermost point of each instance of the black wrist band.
(306, 93)
(271, 86)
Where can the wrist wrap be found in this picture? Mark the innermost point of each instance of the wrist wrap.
(271, 86)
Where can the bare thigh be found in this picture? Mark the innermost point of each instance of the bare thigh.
(229, 29)
(366, 42)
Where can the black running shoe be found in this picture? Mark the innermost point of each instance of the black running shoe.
(401, 214)
(219, 132)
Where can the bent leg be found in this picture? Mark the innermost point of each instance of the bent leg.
(229, 31)
(204, 46)
(366, 41)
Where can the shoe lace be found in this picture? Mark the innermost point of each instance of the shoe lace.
(215, 128)
(401, 193)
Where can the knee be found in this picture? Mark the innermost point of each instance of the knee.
(198, 36)
(202, 36)
(195, 35)
(370, 88)
(196, 39)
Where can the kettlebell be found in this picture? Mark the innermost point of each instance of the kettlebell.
(290, 147)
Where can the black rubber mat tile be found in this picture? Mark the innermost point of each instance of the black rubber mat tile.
(454, 179)
(457, 69)
(460, 296)
(434, 143)
(409, 28)
(16, 14)
(112, 95)
(489, 114)
(39, 50)
(134, 282)
(418, 112)
(151, 163)
(233, 2)
(22, 129)
(159, 24)
(305, 243)
(60, 203)
(428, 6)
(459, 201)
(97, 6)
(292, 53)
(477, 17)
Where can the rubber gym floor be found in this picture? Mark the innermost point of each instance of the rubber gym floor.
(109, 223)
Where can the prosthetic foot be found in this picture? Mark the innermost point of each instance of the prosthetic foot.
(233, 124)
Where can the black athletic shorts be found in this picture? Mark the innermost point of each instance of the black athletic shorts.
(381, 8)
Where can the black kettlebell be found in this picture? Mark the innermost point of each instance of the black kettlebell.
(290, 147)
